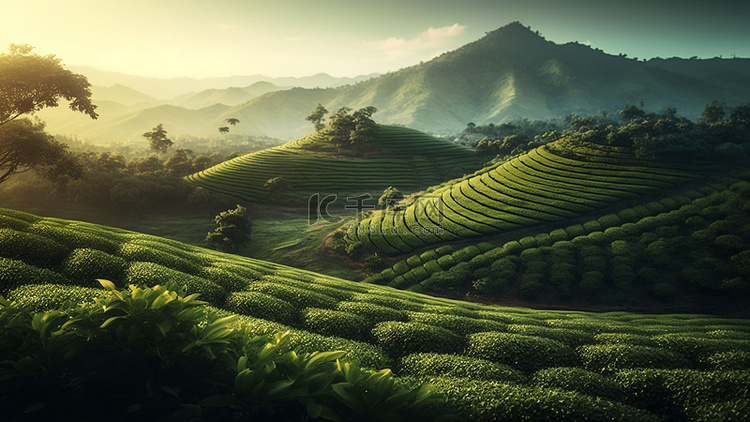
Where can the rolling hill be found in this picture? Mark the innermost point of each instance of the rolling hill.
(396, 156)
(484, 362)
(511, 73)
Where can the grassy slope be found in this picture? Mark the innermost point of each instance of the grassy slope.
(490, 362)
(411, 159)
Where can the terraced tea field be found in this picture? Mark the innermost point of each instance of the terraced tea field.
(552, 183)
(694, 242)
(401, 157)
(487, 362)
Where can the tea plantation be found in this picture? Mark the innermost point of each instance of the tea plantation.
(551, 183)
(482, 362)
(410, 158)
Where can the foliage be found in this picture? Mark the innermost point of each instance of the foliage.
(177, 359)
(390, 197)
(316, 117)
(233, 230)
(157, 139)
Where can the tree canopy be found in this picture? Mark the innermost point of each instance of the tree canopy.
(29, 83)
(157, 138)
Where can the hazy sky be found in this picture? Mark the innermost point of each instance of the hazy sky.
(206, 38)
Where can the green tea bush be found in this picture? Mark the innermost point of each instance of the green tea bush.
(298, 297)
(625, 338)
(400, 268)
(543, 239)
(44, 297)
(414, 261)
(513, 247)
(372, 313)
(460, 325)
(446, 262)
(572, 338)
(86, 265)
(335, 323)
(592, 226)
(419, 274)
(698, 349)
(575, 231)
(495, 401)
(19, 215)
(628, 215)
(527, 353)
(151, 274)
(31, 248)
(403, 338)
(73, 239)
(137, 252)
(429, 256)
(608, 358)
(531, 286)
(228, 280)
(609, 220)
(8, 222)
(15, 273)
(466, 254)
(432, 266)
(656, 208)
(260, 305)
(578, 380)
(728, 361)
(485, 247)
(444, 250)
(591, 283)
(528, 242)
(436, 364)
(558, 235)
(386, 300)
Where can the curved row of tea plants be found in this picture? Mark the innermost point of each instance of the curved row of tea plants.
(532, 189)
(487, 362)
(403, 157)
(698, 241)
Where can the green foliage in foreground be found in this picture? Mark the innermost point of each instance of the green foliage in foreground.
(154, 354)
(487, 363)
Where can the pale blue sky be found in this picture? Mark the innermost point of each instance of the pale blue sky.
(199, 38)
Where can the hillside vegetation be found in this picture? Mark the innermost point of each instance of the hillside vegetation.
(395, 156)
(486, 363)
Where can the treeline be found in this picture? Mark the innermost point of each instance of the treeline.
(140, 185)
(721, 133)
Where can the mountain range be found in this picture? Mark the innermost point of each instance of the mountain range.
(510, 73)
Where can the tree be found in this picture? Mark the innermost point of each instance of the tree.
(391, 196)
(29, 83)
(232, 121)
(158, 141)
(364, 126)
(713, 113)
(223, 129)
(316, 117)
(233, 230)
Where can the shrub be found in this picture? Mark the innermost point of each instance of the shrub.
(698, 349)
(575, 231)
(696, 222)
(728, 361)
(460, 325)
(228, 280)
(729, 242)
(466, 254)
(558, 235)
(579, 380)
(528, 242)
(31, 248)
(151, 274)
(444, 250)
(513, 247)
(544, 239)
(86, 265)
(403, 338)
(300, 298)
(526, 353)
(43, 297)
(432, 266)
(609, 220)
(260, 305)
(372, 313)
(592, 226)
(335, 323)
(137, 251)
(613, 357)
(73, 239)
(431, 364)
(428, 256)
(572, 338)
(8, 222)
(446, 261)
(624, 338)
(15, 273)
(591, 283)
(401, 268)
(233, 230)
